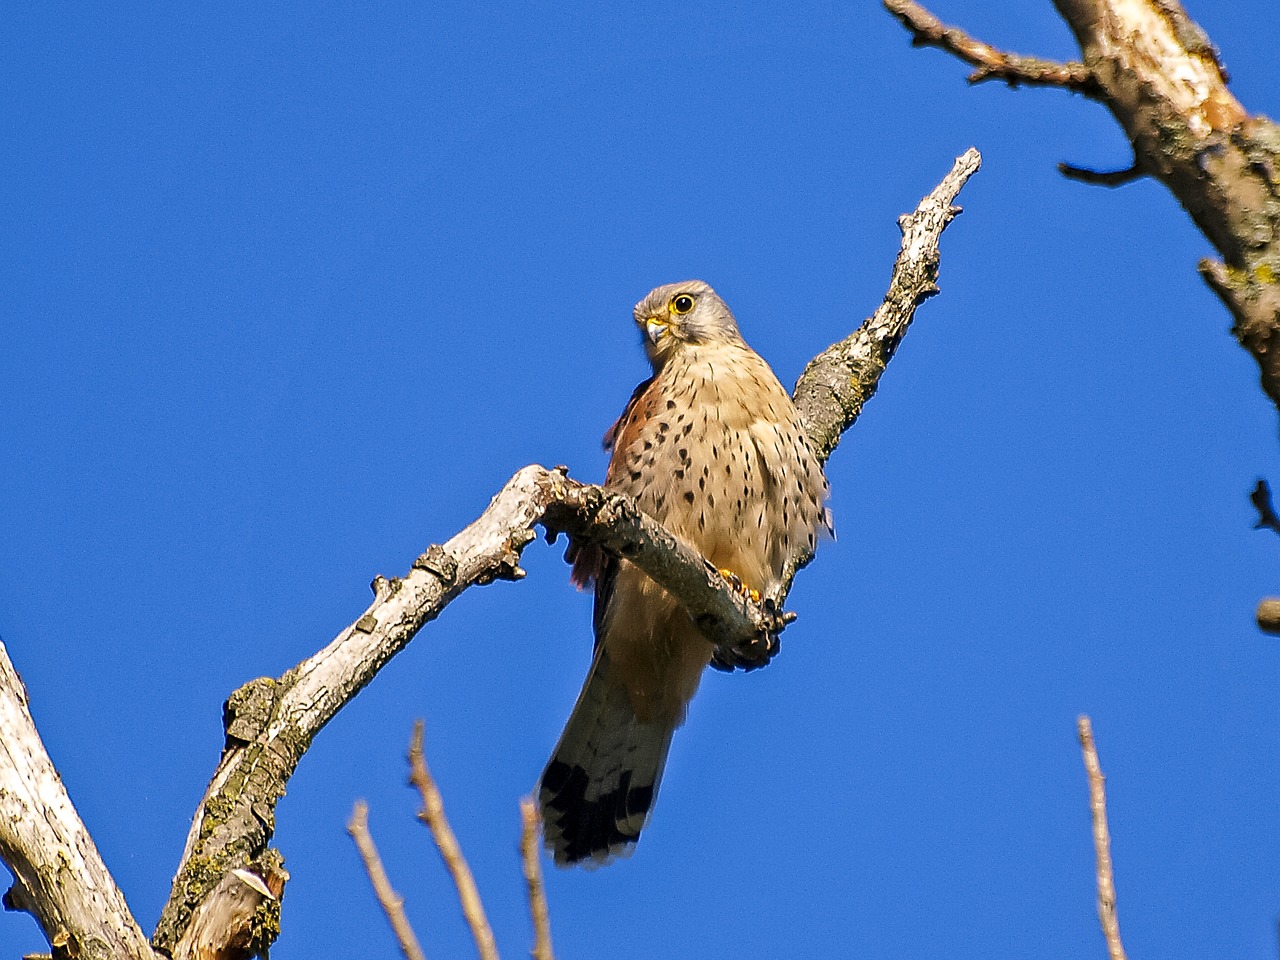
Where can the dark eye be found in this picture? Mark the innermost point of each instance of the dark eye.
(682, 303)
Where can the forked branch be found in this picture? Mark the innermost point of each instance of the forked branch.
(227, 868)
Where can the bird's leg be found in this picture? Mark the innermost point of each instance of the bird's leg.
(735, 581)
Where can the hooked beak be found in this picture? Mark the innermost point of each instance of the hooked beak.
(655, 327)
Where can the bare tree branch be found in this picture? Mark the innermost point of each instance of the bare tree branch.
(392, 903)
(1160, 76)
(271, 722)
(530, 848)
(432, 814)
(60, 878)
(1101, 840)
(837, 382)
(990, 63)
(240, 918)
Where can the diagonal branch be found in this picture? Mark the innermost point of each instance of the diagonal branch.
(1160, 76)
(60, 878)
(271, 722)
(989, 63)
(391, 902)
(837, 382)
(1107, 916)
(530, 844)
(432, 814)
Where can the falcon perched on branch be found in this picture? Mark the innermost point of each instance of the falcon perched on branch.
(712, 448)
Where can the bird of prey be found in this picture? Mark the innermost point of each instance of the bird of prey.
(712, 448)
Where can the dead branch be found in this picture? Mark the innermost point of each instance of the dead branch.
(530, 848)
(837, 382)
(989, 63)
(432, 814)
(1158, 73)
(271, 722)
(392, 903)
(226, 892)
(60, 878)
(1101, 840)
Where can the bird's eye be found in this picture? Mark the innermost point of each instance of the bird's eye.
(682, 304)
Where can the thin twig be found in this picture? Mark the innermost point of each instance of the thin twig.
(990, 63)
(1102, 178)
(1101, 840)
(529, 847)
(432, 814)
(1261, 500)
(392, 902)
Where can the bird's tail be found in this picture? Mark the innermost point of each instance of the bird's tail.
(600, 784)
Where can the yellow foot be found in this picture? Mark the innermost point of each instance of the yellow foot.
(735, 581)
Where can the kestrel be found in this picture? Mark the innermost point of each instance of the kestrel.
(713, 449)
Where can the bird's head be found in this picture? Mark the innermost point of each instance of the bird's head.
(677, 315)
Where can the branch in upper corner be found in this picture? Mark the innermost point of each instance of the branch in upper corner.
(1107, 915)
(530, 828)
(834, 386)
(432, 814)
(392, 903)
(990, 63)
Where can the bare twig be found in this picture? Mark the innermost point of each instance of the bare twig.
(432, 814)
(989, 63)
(59, 876)
(1101, 840)
(1102, 178)
(530, 828)
(392, 902)
(270, 722)
(1260, 497)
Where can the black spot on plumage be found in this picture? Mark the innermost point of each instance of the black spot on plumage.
(688, 496)
(671, 404)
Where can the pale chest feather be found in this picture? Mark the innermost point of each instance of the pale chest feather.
(713, 449)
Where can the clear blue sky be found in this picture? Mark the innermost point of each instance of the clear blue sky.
(290, 289)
